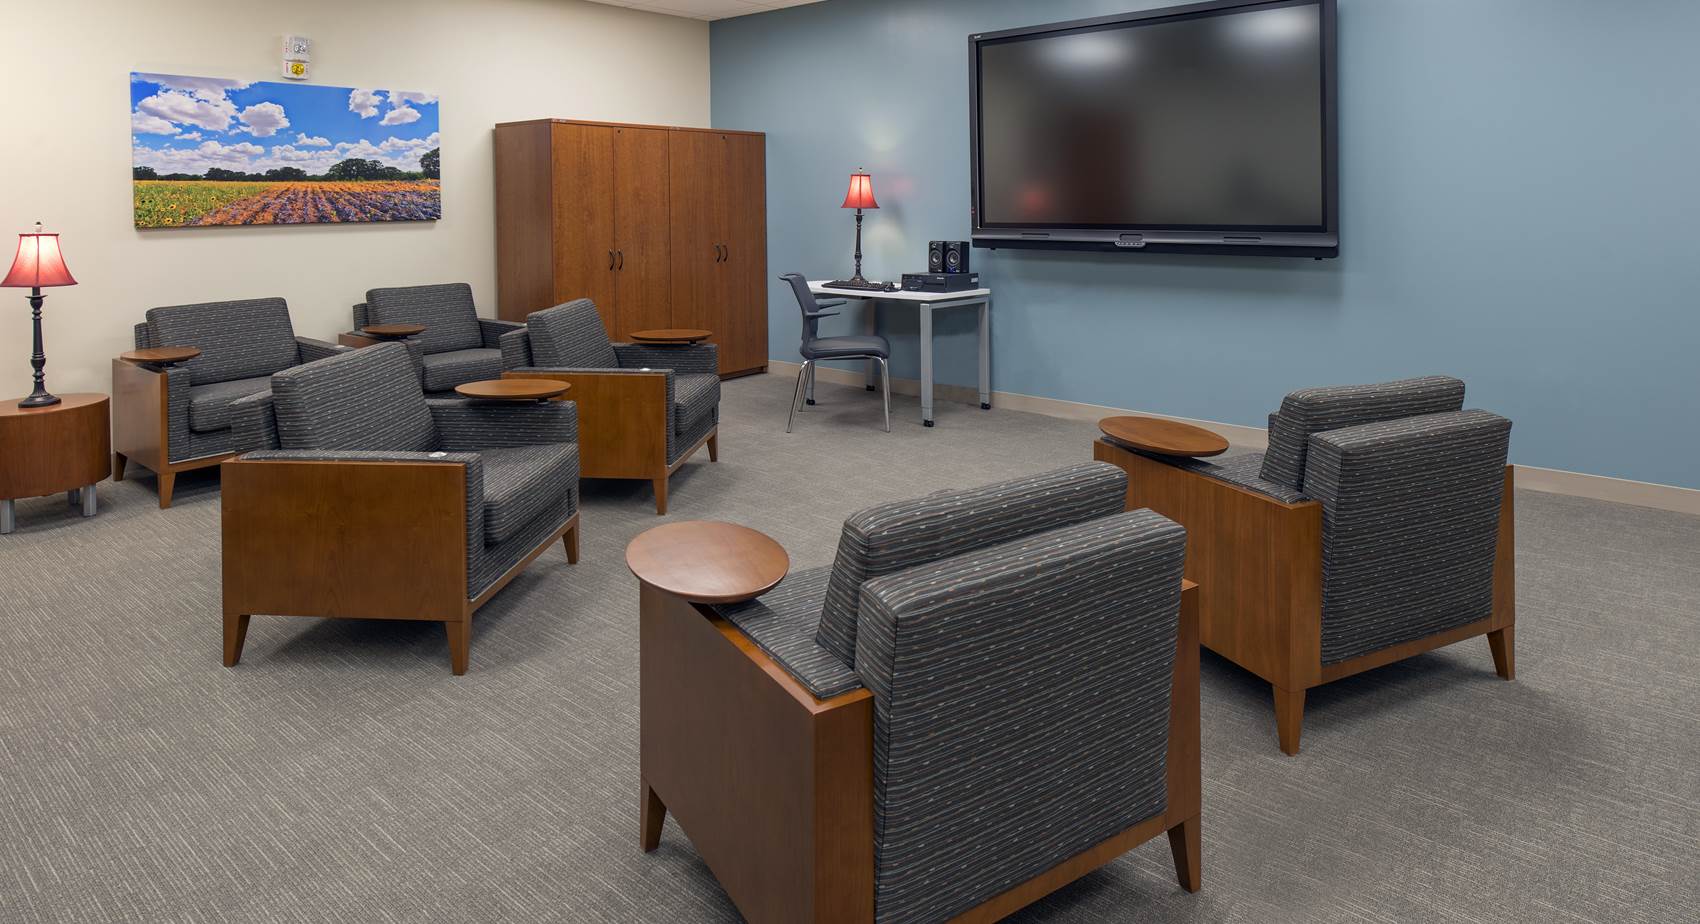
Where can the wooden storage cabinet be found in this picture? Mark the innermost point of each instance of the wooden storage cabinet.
(661, 227)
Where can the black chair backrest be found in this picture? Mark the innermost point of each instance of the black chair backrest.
(807, 305)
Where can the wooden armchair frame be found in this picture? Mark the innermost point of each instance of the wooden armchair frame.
(354, 540)
(141, 432)
(776, 790)
(1258, 562)
(622, 426)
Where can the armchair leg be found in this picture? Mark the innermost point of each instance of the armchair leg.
(118, 461)
(1504, 652)
(460, 643)
(714, 446)
(660, 495)
(235, 633)
(167, 480)
(1184, 843)
(1289, 715)
(652, 815)
(570, 540)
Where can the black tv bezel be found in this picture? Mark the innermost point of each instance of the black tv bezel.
(1212, 239)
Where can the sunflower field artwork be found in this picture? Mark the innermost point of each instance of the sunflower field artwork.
(209, 151)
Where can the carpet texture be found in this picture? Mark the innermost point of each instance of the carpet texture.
(341, 773)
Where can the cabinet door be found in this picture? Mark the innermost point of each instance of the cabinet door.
(642, 267)
(745, 266)
(698, 202)
(583, 195)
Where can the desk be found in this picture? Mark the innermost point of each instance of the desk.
(926, 303)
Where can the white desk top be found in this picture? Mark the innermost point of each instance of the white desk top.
(818, 287)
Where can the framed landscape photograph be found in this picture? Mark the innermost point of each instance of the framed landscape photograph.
(209, 151)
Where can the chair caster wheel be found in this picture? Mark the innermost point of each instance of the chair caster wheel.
(868, 387)
(809, 401)
(926, 423)
(985, 406)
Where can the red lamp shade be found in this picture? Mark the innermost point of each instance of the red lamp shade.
(861, 194)
(39, 263)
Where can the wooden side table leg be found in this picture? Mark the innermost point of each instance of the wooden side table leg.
(118, 462)
(235, 633)
(652, 815)
(167, 480)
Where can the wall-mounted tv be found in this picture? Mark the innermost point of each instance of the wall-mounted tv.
(1206, 128)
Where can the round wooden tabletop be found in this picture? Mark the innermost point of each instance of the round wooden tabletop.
(1164, 437)
(392, 330)
(706, 561)
(513, 389)
(161, 356)
(672, 335)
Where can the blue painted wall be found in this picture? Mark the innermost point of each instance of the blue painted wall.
(1520, 207)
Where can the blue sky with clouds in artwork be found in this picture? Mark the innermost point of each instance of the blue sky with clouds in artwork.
(188, 124)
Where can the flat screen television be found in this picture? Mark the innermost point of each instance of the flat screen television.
(1206, 128)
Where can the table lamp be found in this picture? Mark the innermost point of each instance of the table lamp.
(39, 264)
(860, 196)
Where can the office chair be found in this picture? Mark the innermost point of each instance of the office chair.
(816, 348)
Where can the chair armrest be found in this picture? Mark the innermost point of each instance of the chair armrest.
(362, 316)
(466, 425)
(377, 535)
(695, 358)
(309, 349)
(821, 303)
(142, 336)
(625, 417)
(253, 423)
(494, 330)
(811, 315)
(516, 348)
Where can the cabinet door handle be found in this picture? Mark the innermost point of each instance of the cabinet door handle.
(621, 256)
(728, 249)
(610, 260)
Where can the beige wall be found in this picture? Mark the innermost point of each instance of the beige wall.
(65, 146)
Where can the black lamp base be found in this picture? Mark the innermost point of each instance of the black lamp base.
(39, 399)
(38, 396)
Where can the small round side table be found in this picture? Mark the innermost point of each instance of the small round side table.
(62, 447)
(1162, 437)
(513, 389)
(706, 561)
(671, 336)
(392, 331)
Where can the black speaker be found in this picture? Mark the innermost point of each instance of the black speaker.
(955, 257)
(935, 256)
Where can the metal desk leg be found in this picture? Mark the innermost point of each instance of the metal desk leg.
(90, 501)
(8, 517)
(986, 355)
(873, 327)
(926, 365)
(74, 497)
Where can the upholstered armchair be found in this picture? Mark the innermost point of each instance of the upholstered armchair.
(173, 418)
(378, 504)
(456, 347)
(990, 693)
(1377, 526)
(643, 409)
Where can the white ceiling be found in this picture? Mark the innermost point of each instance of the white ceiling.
(706, 9)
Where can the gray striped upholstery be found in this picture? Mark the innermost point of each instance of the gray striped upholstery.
(209, 405)
(443, 371)
(362, 316)
(1309, 411)
(364, 399)
(1021, 707)
(521, 483)
(694, 398)
(312, 350)
(1244, 470)
(521, 459)
(703, 358)
(240, 339)
(451, 321)
(492, 331)
(516, 349)
(1410, 526)
(782, 623)
(253, 423)
(570, 335)
(892, 537)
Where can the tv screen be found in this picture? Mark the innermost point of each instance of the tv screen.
(1207, 127)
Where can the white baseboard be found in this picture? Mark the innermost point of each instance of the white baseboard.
(1534, 478)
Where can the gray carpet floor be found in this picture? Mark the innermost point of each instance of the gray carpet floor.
(341, 773)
